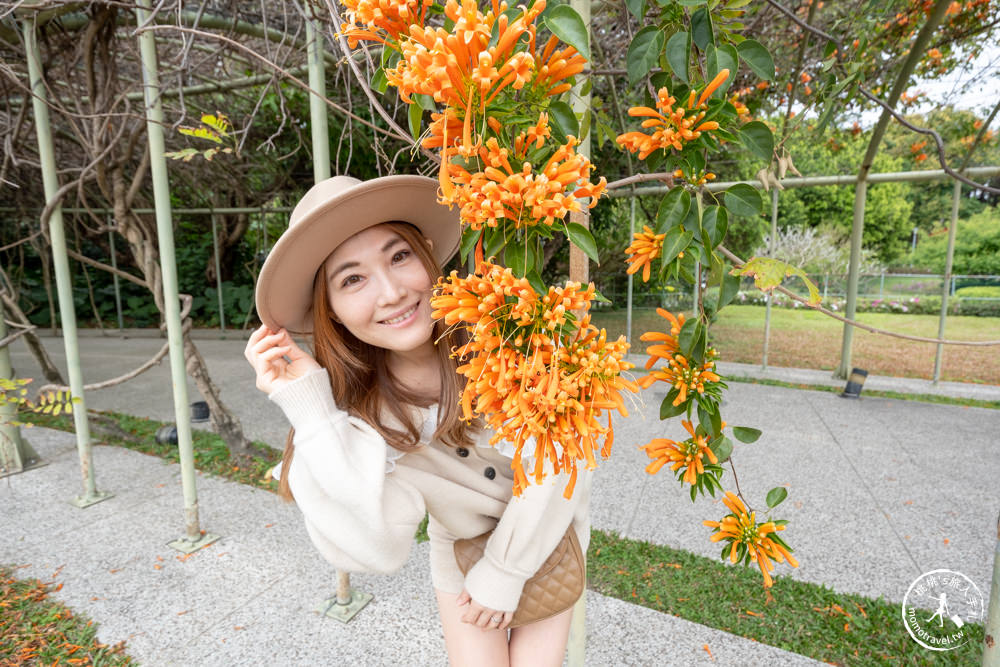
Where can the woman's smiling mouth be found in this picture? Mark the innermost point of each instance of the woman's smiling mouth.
(402, 317)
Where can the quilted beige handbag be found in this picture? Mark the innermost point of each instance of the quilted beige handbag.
(556, 586)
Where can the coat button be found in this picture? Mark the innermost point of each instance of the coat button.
(462, 451)
(490, 473)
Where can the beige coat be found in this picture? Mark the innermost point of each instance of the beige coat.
(363, 500)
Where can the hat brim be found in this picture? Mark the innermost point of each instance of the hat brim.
(284, 287)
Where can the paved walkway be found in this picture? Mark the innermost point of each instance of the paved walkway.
(880, 491)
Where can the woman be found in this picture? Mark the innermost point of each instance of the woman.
(377, 439)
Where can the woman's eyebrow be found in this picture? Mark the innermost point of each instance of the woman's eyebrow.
(351, 264)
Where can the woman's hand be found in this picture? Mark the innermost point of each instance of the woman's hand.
(276, 359)
(477, 614)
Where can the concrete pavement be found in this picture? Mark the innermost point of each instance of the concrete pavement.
(880, 490)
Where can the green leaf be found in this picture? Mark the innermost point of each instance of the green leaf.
(581, 237)
(379, 82)
(667, 407)
(673, 208)
(678, 54)
(701, 28)
(515, 257)
(690, 3)
(757, 137)
(768, 273)
(567, 25)
(493, 243)
(776, 495)
(469, 239)
(723, 448)
(743, 199)
(637, 8)
(426, 102)
(746, 434)
(673, 243)
(715, 223)
(643, 53)
(415, 115)
(728, 290)
(688, 336)
(720, 58)
(564, 119)
(757, 57)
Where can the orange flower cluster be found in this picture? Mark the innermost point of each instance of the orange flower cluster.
(499, 192)
(458, 67)
(646, 247)
(675, 126)
(688, 454)
(532, 370)
(760, 542)
(678, 373)
(374, 19)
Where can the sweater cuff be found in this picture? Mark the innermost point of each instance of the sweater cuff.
(493, 587)
(306, 401)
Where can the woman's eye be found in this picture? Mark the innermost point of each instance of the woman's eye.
(400, 256)
(351, 280)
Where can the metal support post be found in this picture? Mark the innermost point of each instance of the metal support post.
(64, 287)
(16, 455)
(579, 270)
(881, 284)
(317, 107)
(949, 280)
(192, 539)
(114, 277)
(347, 603)
(853, 271)
(770, 295)
(628, 313)
(218, 276)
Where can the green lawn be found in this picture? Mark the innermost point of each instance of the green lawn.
(805, 338)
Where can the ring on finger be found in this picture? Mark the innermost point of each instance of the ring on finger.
(497, 618)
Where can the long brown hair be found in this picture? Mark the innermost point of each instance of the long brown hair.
(362, 382)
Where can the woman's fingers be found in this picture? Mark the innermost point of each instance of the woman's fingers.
(508, 616)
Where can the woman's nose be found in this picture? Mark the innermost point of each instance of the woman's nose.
(390, 291)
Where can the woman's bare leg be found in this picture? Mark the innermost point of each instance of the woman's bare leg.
(542, 643)
(470, 645)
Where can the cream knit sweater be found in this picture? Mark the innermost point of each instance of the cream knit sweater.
(362, 501)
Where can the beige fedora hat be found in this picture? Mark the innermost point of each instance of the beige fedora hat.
(330, 213)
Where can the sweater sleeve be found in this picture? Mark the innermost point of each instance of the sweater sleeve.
(360, 518)
(526, 534)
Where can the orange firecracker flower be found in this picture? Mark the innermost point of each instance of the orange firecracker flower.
(758, 542)
(678, 372)
(533, 371)
(522, 196)
(688, 454)
(646, 247)
(674, 126)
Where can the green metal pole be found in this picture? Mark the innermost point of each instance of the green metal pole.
(192, 539)
(57, 236)
(628, 313)
(218, 275)
(770, 295)
(317, 107)
(347, 602)
(16, 455)
(579, 270)
(948, 262)
(861, 189)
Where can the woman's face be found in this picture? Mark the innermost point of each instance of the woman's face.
(379, 289)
